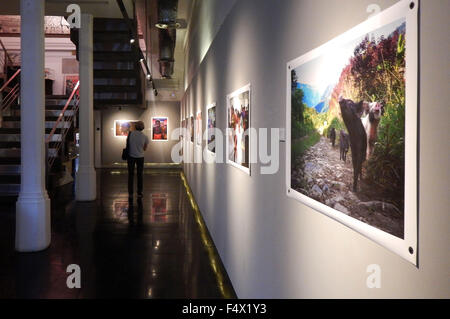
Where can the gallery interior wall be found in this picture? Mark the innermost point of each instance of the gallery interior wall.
(56, 50)
(158, 151)
(273, 246)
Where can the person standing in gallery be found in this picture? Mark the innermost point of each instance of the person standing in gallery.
(137, 145)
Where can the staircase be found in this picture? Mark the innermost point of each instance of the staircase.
(117, 71)
(10, 153)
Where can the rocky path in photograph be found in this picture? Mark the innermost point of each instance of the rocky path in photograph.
(320, 174)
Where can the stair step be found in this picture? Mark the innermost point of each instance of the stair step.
(10, 152)
(9, 189)
(10, 179)
(16, 152)
(115, 88)
(9, 169)
(56, 113)
(116, 74)
(48, 124)
(108, 36)
(50, 105)
(115, 95)
(57, 107)
(48, 113)
(56, 97)
(16, 137)
(17, 144)
(9, 137)
(114, 56)
(115, 81)
(10, 161)
(58, 103)
(124, 46)
(117, 65)
(107, 24)
(14, 144)
(112, 102)
(17, 130)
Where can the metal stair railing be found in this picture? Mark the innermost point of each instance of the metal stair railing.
(64, 130)
(5, 60)
(12, 93)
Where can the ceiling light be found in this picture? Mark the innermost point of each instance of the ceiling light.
(170, 25)
(132, 41)
(149, 77)
(141, 60)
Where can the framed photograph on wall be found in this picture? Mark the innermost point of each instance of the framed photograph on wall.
(211, 126)
(183, 128)
(238, 123)
(70, 81)
(123, 127)
(351, 128)
(198, 129)
(160, 125)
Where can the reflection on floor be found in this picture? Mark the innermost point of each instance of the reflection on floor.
(157, 247)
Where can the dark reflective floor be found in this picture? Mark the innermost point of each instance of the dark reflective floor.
(153, 248)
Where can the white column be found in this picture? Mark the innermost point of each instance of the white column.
(86, 176)
(33, 204)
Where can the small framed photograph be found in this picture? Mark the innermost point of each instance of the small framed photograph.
(70, 81)
(198, 129)
(123, 127)
(160, 128)
(211, 126)
(238, 133)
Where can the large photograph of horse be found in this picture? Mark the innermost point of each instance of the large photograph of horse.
(348, 128)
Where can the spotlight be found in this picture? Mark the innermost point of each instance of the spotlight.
(168, 25)
(131, 41)
(141, 60)
(149, 77)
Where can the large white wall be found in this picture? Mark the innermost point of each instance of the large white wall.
(273, 246)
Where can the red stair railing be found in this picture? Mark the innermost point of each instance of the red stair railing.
(69, 119)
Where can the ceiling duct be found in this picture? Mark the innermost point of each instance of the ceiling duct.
(167, 23)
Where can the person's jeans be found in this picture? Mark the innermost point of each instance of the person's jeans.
(139, 162)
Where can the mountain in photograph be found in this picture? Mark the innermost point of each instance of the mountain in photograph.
(311, 97)
(315, 99)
